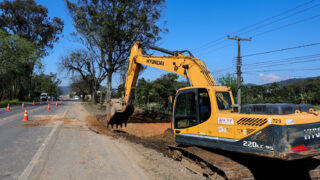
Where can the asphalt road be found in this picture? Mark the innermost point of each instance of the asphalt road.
(18, 144)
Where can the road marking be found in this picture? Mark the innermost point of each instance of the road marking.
(27, 171)
(18, 113)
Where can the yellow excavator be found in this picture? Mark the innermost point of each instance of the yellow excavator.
(206, 117)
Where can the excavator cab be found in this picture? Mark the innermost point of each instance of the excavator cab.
(195, 105)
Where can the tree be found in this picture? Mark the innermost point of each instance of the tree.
(159, 90)
(15, 57)
(80, 87)
(110, 28)
(46, 83)
(88, 67)
(30, 21)
(230, 81)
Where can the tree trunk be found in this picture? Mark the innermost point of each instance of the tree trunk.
(93, 96)
(108, 91)
(101, 99)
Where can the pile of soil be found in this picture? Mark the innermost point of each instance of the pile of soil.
(158, 142)
(147, 116)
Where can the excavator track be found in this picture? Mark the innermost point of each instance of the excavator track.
(218, 167)
(313, 165)
(209, 164)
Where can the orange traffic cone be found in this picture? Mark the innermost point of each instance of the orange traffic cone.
(33, 103)
(22, 106)
(48, 107)
(25, 116)
(40, 101)
(8, 107)
(56, 103)
(47, 101)
(61, 102)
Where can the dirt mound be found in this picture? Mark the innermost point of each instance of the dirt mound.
(159, 142)
(148, 116)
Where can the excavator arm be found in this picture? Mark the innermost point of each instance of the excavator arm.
(193, 69)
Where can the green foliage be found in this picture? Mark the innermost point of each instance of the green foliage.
(17, 57)
(230, 81)
(158, 91)
(303, 91)
(4, 103)
(43, 83)
(26, 33)
(30, 21)
(317, 107)
(80, 86)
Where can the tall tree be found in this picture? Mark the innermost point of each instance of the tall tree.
(110, 28)
(89, 68)
(30, 21)
(15, 56)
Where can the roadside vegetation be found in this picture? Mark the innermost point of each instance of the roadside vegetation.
(305, 91)
(26, 36)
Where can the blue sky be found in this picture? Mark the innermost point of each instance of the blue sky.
(196, 24)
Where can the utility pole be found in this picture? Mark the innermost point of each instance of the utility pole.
(239, 63)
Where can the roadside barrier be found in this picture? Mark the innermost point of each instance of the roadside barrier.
(25, 116)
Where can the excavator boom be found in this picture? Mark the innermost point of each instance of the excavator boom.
(193, 69)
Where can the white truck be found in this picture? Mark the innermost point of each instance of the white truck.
(44, 96)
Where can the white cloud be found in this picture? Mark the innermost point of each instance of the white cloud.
(270, 78)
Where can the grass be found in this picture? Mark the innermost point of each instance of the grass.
(317, 107)
(4, 103)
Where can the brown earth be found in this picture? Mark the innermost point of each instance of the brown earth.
(49, 120)
(151, 135)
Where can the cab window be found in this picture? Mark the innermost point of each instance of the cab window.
(223, 100)
(204, 105)
(185, 113)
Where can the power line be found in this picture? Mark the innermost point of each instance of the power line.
(271, 30)
(275, 70)
(272, 22)
(255, 24)
(277, 15)
(282, 64)
(285, 49)
(283, 60)
(287, 25)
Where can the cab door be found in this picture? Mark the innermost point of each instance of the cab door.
(186, 112)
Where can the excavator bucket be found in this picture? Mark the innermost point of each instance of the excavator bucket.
(118, 113)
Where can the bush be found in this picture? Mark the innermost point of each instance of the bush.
(4, 103)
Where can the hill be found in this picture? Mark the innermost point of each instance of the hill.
(284, 82)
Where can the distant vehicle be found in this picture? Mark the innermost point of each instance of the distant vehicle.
(76, 98)
(55, 98)
(44, 96)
